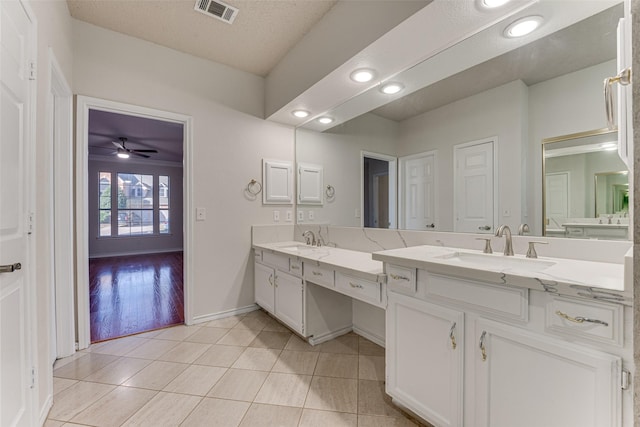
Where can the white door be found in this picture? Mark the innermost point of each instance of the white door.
(15, 350)
(425, 358)
(418, 191)
(523, 372)
(474, 187)
(289, 299)
(264, 281)
(556, 189)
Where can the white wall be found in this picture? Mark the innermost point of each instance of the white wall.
(498, 112)
(227, 150)
(338, 151)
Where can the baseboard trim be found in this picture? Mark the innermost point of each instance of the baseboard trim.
(44, 411)
(215, 316)
(370, 336)
(319, 339)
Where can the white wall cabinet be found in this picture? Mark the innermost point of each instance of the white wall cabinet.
(425, 345)
(277, 178)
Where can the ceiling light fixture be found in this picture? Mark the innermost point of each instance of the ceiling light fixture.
(325, 120)
(391, 88)
(523, 26)
(301, 114)
(362, 75)
(490, 4)
(122, 153)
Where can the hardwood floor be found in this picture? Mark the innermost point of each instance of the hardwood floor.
(133, 294)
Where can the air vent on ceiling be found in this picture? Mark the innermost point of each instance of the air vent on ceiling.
(217, 9)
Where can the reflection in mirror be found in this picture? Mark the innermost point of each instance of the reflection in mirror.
(551, 86)
(586, 187)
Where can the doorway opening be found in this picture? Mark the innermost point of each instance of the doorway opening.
(378, 202)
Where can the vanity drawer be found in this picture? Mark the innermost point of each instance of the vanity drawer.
(364, 290)
(318, 275)
(493, 300)
(586, 320)
(295, 267)
(280, 262)
(575, 232)
(401, 279)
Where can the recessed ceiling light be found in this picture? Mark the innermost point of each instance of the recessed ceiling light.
(325, 120)
(493, 3)
(301, 114)
(362, 75)
(523, 26)
(391, 88)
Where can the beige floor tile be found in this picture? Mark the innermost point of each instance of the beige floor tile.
(296, 362)
(225, 322)
(118, 371)
(254, 324)
(59, 363)
(118, 347)
(216, 413)
(152, 349)
(257, 359)
(378, 421)
(296, 344)
(150, 334)
(346, 344)
(60, 384)
(270, 339)
(75, 425)
(77, 398)
(207, 335)
(269, 415)
(114, 408)
(315, 418)
(220, 355)
(156, 375)
(196, 379)
(165, 409)
(239, 384)
(368, 348)
(53, 423)
(241, 337)
(84, 366)
(185, 352)
(371, 368)
(274, 326)
(337, 365)
(284, 389)
(257, 314)
(372, 400)
(333, 394)
(177, 333)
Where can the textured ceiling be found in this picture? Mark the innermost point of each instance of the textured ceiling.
(262, 33)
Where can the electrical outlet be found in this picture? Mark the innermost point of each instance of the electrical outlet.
(201, 214)
(276, 216)
(357, 213)
(311, 215)
(300, 216)
(289, 216)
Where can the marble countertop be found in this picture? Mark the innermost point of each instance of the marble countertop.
(357, 263)
(593, 225)
(598, 280)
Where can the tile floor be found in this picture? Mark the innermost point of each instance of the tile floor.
(244, 370)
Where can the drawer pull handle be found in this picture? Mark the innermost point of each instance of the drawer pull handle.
(355, 285)
(483, 349)
(398, 277)
(452, 336)
(295, 267)
(581, 319)
(271, 279)
(316, 273)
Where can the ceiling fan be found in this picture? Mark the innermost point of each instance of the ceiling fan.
(124, 152)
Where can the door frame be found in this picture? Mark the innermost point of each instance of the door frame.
(496, 188)
(84, 104)
(402, 186)
(393, 185)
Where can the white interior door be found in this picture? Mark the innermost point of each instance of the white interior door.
(418, 191)
(474, 187)
(556, 189)
(15, 349)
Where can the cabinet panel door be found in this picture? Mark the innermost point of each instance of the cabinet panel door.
(529, 380)
(264, 280)
(424, 366)
(289, 300)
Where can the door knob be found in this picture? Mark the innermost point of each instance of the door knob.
(485, 227)
(430, 225)
(10, 268)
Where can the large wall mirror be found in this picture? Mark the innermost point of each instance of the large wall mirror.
(468, 143)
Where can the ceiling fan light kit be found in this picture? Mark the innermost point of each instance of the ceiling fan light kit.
(124, 153)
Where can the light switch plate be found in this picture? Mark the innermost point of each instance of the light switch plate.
(201, 214)
(276, 216)
(289, 216)
(300, 216)
(311, 215)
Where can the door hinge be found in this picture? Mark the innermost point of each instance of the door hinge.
(32, 70)
(33, 377)
(625, 379)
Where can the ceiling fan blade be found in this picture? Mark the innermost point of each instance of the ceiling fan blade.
(118, 144)
(145, 151)
(138, 154)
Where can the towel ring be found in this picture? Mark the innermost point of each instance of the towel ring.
(254, 187)
(330, 191)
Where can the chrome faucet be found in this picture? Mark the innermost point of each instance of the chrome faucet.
(310, 237)
(508, 246)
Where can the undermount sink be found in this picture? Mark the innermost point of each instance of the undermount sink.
(298, 248)
(497, 261)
